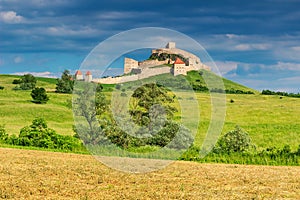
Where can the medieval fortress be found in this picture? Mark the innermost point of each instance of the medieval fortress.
(163, 60)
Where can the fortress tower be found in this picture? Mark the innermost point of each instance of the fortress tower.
(130, 64)
(88, 76)
(78, 75)
(179, 67)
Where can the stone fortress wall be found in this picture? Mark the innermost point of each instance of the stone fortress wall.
(136, 70)
(123, 79)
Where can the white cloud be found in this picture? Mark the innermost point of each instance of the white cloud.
(296, 48)
(249, 47)
(233, 42)
(38, 74)
(288, 66)
(10, 17)
(64, 31)
(224, 66)
(18, 59)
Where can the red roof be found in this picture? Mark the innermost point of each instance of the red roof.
(178, 61)
(88, 73)
(78, 73)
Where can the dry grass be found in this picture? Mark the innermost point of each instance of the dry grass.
(27, 174)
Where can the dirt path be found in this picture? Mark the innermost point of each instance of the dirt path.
(26, 174)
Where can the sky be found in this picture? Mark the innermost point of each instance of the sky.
(255, 43)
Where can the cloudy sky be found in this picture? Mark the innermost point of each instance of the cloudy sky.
(256, 43)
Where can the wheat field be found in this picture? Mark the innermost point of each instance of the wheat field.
(30, 174)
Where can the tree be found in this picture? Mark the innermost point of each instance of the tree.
(26, 82)
(147, 100)
(87, 105)
(39, 95)
(66, 83)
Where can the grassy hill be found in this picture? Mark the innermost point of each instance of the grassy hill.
(17, 110)
(270, 120)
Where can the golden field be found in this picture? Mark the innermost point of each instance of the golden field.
(29, 174)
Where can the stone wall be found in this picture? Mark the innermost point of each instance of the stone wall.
(151, 63)
(146, 73)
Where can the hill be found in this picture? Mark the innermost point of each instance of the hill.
(48, 175)
(17, 110)
(269, 120)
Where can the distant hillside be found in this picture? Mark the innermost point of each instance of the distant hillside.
(195, 80)
(195, 77)
(270, 120)
(17, 110)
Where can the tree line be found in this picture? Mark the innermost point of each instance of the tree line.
(286, 94)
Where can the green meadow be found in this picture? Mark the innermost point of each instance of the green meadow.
(269, 120)
(17, 110)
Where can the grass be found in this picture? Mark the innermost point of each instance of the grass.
(49, 175)
(194, 77)
(17, 110)
(269, 120)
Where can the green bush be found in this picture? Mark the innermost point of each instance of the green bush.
(1, 87)
(234, 141)
(17, 81)
(26, 82)
(3, 134)
(39, 95)
(39, 135)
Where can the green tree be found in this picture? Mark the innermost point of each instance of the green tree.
(26, 82)
(39, 95)
(150, 102)
(87, 106)
(66, 83)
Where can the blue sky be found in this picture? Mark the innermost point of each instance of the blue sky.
(256, 43)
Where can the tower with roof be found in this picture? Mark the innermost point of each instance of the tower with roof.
(88, 76)
(78, 75)
(179, 67)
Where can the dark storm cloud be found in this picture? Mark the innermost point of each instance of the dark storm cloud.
(84, 23)
(254, 36)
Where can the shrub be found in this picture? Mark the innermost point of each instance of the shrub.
(3, 134)
(17, 81)
(39, 95)
(118, 86)
(123, 94)
(234, 141)
(28, 82)
(1, 87)
(39, 135)
(99, 88)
